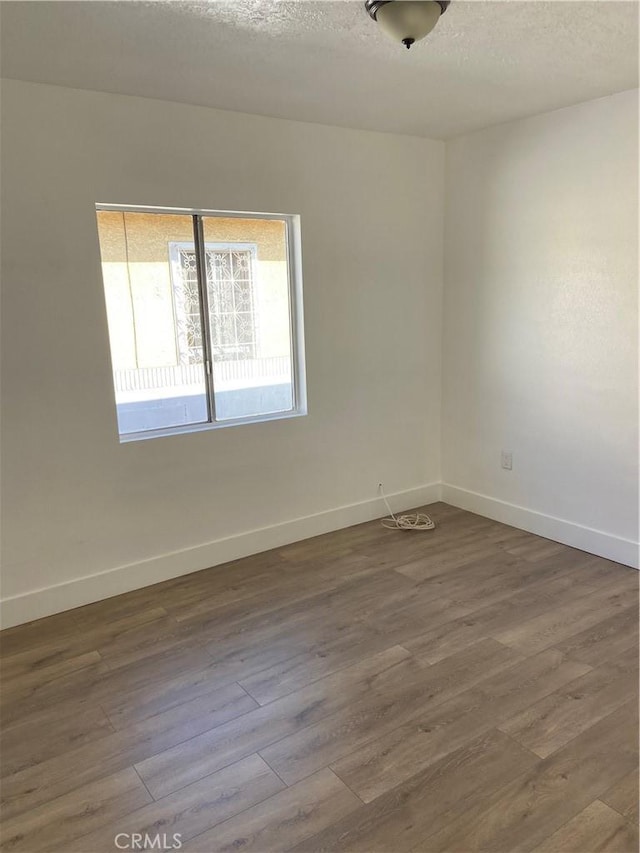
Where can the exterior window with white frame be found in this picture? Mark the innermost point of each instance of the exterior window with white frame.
(205, 318)
(230, 283)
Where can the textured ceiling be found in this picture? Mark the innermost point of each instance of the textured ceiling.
(485, 63)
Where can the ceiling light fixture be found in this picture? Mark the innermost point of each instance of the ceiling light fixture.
(407, 21)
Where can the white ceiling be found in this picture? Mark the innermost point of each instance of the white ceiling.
(485, 63)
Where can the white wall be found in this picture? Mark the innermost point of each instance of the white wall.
(540, 324)
(78, 503)
(540, 336)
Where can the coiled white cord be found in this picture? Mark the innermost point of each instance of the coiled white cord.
(413, 521)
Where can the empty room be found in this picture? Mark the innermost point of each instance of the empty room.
(319, 426)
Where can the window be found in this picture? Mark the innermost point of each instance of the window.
(230, 283)
(205, 318)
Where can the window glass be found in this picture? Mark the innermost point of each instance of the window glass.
(249, 311)
(201, 317)
(156, 385)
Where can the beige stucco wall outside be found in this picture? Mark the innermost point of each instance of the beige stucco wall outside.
(139, 294)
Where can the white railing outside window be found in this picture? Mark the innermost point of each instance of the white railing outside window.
(136, 383)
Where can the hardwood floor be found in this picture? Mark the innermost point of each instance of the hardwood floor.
(470, 688)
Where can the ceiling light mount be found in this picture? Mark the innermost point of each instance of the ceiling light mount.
(406, 21)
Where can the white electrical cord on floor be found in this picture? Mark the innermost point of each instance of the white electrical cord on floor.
(413, 521)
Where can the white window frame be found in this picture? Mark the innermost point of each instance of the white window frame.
(296, 318)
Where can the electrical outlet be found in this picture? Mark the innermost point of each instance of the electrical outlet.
(506, 460)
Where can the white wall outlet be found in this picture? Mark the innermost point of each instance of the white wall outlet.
(506, 460)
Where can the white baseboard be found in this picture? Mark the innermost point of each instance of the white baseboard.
(65, 596)
(54, 599)
(597, 542)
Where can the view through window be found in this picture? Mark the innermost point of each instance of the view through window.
(202, 317)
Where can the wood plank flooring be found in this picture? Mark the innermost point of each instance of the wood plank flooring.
(470, 688)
